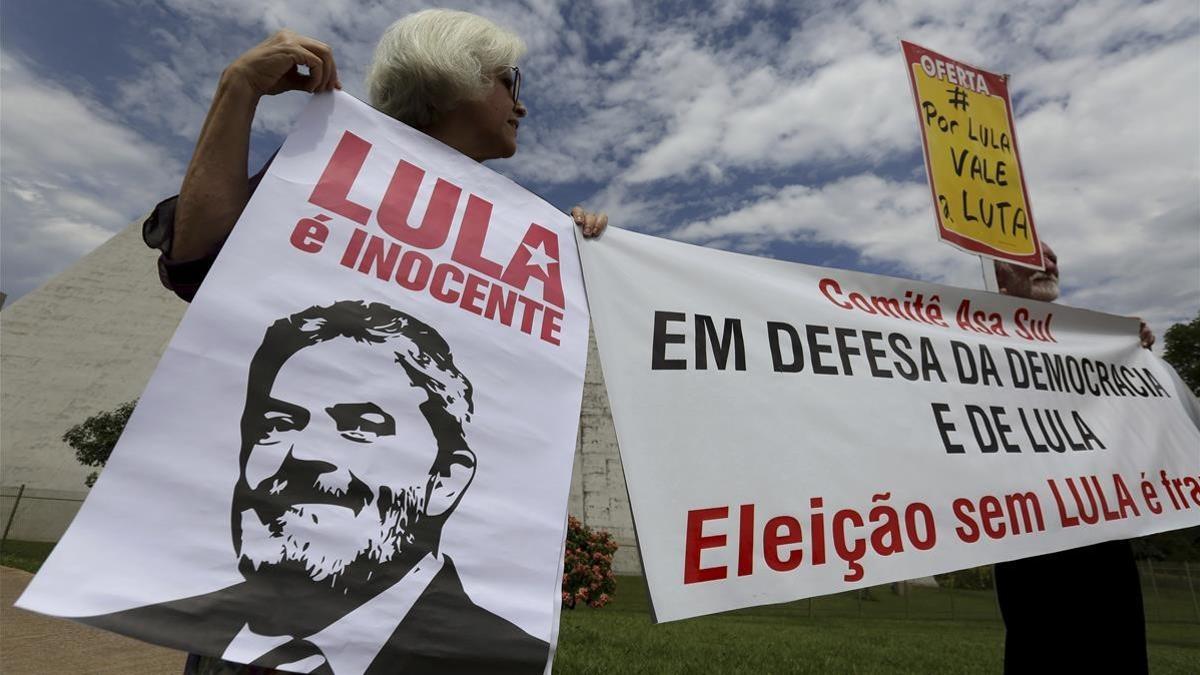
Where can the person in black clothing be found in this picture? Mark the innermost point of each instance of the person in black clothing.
(1078, 610)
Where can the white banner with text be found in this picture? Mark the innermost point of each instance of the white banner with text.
(789, 431)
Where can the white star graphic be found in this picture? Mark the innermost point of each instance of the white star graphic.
(538, 257)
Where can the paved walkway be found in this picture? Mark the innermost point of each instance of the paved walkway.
(32, 644)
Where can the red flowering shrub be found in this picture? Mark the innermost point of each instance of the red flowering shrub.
(587, 567)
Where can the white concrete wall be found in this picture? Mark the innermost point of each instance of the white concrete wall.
(598, 494)
(83, 343)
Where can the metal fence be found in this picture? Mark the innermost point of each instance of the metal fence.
(1169, 592)
(30, 514)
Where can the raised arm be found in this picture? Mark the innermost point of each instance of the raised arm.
(216, 188)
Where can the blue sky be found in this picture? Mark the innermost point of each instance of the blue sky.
(772, 128)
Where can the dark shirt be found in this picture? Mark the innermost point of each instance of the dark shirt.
(1078, 610)
(444, 633)
(183, 277)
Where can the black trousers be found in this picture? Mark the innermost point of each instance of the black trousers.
(1074, 611)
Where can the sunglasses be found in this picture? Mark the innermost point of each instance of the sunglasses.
(511, 77)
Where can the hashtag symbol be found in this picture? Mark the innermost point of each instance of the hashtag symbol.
(958, 98)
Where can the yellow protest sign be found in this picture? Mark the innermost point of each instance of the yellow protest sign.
(971, 157)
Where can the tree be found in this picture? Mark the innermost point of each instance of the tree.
(1181, 349)
(94, 438)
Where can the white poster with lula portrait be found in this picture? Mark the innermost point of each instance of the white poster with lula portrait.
(355, 454)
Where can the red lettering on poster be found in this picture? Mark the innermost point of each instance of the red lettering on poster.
(496, 293)
(333, 188)
(695, 542)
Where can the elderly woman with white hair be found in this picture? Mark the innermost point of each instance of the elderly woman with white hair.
(451, 75)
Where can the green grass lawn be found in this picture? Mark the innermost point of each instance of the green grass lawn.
(945, 631)
(828, 636)
(25, 555)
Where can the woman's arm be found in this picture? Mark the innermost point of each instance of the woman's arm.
(216, 188)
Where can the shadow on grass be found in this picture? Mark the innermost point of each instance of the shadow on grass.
(927, 630)
(944, 631)
(25, 555)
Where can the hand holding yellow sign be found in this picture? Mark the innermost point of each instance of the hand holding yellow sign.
(971, 157)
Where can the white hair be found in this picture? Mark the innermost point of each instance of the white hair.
(427, 63)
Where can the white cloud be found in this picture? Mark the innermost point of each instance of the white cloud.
(1104, 25)
(72, 176)
(884, 221)
(1114, 170)
(1109, 96)
(761, 123)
